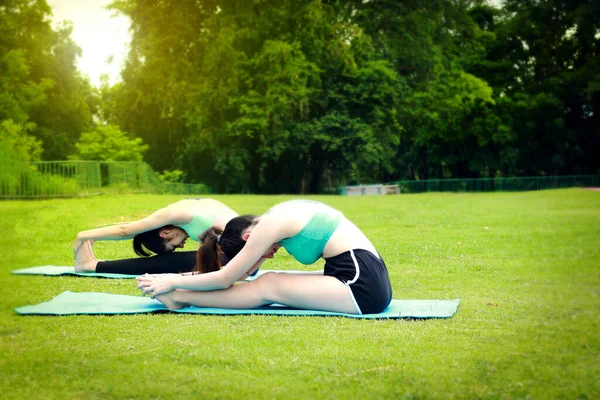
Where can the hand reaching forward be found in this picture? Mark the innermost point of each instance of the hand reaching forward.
(153, 285)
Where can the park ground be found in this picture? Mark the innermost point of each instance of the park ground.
(525, 266)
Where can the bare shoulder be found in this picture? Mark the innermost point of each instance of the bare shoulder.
(185, 210)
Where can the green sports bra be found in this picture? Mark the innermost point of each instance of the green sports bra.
(307, 245)
(198, 224)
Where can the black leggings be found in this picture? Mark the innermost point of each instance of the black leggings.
(174, 262)
(169, 262)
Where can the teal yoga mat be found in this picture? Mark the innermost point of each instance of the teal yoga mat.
(70, 303)
(53, 270)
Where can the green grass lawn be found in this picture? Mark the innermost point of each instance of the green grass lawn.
(525, 266)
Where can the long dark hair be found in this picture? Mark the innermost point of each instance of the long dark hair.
(151, 241)
(217, 243)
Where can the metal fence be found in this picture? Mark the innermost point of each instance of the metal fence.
(516, 184)
(46, 179)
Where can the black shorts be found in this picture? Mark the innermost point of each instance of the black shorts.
(366, 277)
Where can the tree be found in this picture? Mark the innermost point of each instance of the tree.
(545, 63)
(14, 138)
(250, 92)
(304, 95)
(39, 82)
(109, 143)
(448, 114)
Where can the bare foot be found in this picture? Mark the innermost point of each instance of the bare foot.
(85, 260)
(92, 252)
(168, 299)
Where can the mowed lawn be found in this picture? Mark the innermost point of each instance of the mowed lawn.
(525, 266)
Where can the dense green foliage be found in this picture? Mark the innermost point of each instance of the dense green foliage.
(525, 266)
(302, 96)
(109, 143)
(46, 105)
(299, 96)
(41, 90)
(15, 140)
(544, 65)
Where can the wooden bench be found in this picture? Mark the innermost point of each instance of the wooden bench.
(372, 190)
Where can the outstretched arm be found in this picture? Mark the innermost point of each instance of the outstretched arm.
(251, 271)
(243, 278)
(162, 217)
(263, 236)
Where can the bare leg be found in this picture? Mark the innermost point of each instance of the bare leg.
(85, 260)
(311, 292)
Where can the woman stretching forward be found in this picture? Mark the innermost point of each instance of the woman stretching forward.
(162, 232)
(355, 279)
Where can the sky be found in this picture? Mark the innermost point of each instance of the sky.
(98, 34)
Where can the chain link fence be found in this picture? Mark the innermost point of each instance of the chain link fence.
(517, 184)
(49, 179)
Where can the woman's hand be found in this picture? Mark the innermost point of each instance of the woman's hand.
(153, 285)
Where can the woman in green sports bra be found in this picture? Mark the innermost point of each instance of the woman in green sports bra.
(162, 232)
(354, 279)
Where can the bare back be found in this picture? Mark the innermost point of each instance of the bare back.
(293, 216)
(188, 208)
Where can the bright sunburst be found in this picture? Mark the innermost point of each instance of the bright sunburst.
(100, 35)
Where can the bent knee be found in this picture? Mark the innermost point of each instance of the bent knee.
(268, 284)
(266, 280)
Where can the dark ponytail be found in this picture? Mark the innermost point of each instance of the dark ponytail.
(207, 257)
(218, 245)
(151, 241)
